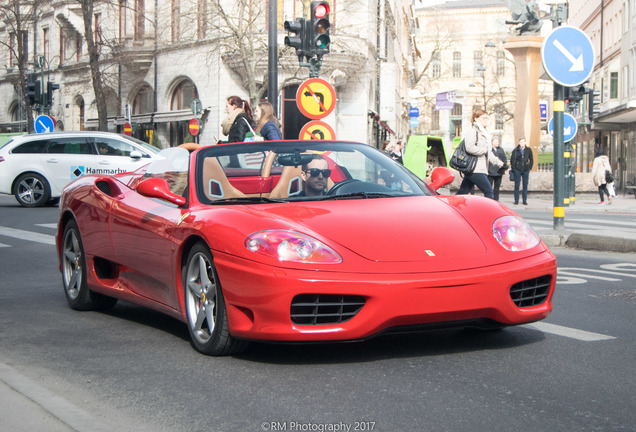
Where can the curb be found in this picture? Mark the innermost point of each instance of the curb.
(601, 243)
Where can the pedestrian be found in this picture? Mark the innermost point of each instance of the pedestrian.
(496, 172)
(396, 152)
(599, 177)
(238, 121)
(521, 162)
(387, 147)
(267, 123)
(477, 141)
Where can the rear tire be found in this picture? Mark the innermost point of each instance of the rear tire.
(205, 306)
(78, 296)
(32, 190)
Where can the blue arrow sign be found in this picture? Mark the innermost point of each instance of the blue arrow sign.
(43, 124)
(570, 127)
(568, 56)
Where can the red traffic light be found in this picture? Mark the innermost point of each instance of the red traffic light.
(321, 10)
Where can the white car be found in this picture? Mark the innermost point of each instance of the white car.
(36, 167)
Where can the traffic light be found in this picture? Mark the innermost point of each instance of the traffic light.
(573, 96)
(299, 41)
(319, 28)
(594, 101)
(50, 88)
(33, 89)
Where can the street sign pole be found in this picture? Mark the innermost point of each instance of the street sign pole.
(570, 152)
(567, 56)
(559, 178)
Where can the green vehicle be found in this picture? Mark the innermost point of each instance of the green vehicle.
(425, 153)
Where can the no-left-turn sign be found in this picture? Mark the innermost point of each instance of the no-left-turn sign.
(316, 98)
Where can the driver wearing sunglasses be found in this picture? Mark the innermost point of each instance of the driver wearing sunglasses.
(314, 176)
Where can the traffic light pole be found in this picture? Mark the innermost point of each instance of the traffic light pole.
(272, 58)
(43, 102)
(559, 174)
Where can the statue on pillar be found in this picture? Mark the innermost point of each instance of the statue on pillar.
(525, 16)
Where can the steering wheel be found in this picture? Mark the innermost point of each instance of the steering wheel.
(344, 187)
(356, 186)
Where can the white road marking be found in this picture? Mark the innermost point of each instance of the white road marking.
(614, 273)
(49, 225)
(568, 332)
(27, 235)
(587, 276)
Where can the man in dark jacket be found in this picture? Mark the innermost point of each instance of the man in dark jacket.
(495, 172)
(521, 161)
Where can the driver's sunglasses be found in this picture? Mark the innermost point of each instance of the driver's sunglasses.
(315, 172)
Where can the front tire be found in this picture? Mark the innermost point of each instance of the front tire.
(32, 190)
(78, 296)
(205, 306)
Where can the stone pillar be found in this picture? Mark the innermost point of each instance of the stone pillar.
(526, 51)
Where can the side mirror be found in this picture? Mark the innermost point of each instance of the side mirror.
(158, 188)
(136, 154)
(441, 176)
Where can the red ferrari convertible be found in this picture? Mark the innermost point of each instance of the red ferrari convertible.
(297, 241)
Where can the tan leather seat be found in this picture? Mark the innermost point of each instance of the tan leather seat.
(290, 183)
(215, 183)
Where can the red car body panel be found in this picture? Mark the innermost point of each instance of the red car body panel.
(433, 260)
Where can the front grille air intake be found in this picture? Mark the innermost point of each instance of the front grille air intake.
(531, 292)
(321, 309)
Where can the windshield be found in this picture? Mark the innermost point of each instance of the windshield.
(171, 164)
(299, 171)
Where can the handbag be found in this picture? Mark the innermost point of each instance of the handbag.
(251, 135)
(463, 161)
(609, 178)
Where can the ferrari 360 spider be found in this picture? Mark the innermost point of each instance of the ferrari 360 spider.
(296, 241)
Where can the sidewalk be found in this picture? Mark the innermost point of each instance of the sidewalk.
(616, 238)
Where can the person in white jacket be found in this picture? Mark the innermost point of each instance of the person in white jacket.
(477, 141)
(600, 165)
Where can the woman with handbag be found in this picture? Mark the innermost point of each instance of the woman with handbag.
(268, 125)
(477, 142)
(238, 121)
(599, 168)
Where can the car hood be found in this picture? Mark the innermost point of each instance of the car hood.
(406, 229)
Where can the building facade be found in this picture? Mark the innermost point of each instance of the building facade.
(158, 57)
(611, 26)
(467, 64)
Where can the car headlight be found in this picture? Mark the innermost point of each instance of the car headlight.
(286, 245)
(514, 234)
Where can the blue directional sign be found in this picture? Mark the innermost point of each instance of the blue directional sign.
(414, 122)
(543, 111)
(43, 124)
(414, 112)
(568, 56)
(570, 127)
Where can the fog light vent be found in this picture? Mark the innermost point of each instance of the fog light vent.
(317, 309)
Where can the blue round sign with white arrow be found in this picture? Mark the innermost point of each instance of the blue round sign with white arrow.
(568, 56)
(44, 124)
(570, 127)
